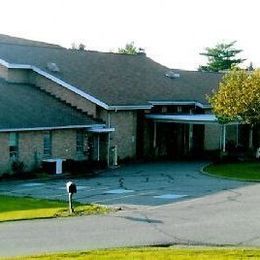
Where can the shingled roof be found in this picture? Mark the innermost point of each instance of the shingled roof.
(115, 79)
(26, 107)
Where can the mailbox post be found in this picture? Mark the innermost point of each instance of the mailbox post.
(71, 189)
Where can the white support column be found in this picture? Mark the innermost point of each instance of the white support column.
(154, 134)
(190, 136)
(98, 147)
(224, 139)
(251, 137)
(108, 138)
(108, 149)
(237, 141)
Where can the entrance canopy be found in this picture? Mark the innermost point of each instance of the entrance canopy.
(199, 119)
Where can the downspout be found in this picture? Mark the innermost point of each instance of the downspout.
(154, 134)
(108, 138)
(224, 138)
(98, 148)
(250, 143)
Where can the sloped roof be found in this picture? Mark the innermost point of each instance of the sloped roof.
(115, 79)
(21, 41)
(26, 107)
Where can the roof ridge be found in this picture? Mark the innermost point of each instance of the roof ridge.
(12, 40)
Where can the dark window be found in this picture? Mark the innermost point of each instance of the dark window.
(47, 143)
(13, 146)
(80, 141)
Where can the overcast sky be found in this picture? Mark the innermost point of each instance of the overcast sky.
(173, 33)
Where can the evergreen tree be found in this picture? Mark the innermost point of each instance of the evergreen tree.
(222, 57)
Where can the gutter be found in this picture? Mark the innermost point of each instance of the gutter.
(130, 107)
(191, 103)
(52, 128)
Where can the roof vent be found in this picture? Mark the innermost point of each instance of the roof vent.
(172, 75)
(53, 67)
(141, 51)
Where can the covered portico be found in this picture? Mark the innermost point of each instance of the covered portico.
(193, 126)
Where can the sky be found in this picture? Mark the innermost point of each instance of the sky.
(172, 32)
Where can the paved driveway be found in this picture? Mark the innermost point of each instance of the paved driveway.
(134, 186)
(214, 212)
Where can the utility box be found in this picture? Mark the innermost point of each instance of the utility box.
(53, 166)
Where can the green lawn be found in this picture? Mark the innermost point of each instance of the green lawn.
(18, 208)
(239, 170)
(157, 253)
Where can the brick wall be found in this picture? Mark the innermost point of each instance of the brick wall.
(212, 137)
(31, 148)
(19, 76)
(4, 152)
(3, 72)
(124, 136)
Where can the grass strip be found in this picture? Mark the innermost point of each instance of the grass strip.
(153, 253)
(21, 208)
(246, 171)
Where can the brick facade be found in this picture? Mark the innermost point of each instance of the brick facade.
(30, 148)
(124, 137)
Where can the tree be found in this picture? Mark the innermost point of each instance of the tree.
(238, 98)
(130, 49)
(221, 57)
(80, 46)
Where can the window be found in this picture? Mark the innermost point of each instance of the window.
(47, 146)
(80, 141)
(13, 146)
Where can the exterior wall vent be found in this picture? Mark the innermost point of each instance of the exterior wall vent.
(51, 66)
(172, 75)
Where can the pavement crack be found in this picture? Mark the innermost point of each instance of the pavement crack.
(235, 195)
(248, 241)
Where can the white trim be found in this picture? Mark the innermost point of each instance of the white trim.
(180, 103)
(49, 128)
(101, 130)
(130, 107)
(186, 118)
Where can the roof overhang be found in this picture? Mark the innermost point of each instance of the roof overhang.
(51, 128)
(130, 107)
(198, 119)
(100, 130)
(180, 103)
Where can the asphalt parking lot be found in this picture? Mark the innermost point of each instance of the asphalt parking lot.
(134, 186)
